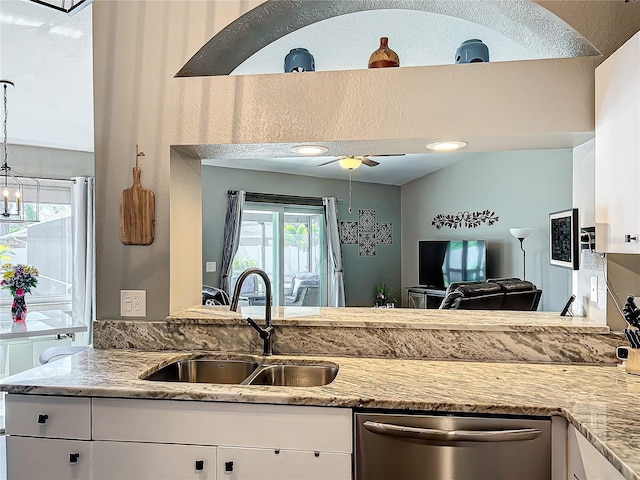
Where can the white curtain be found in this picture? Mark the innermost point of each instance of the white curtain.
(336, 297)
(232, 224)
(83, 245)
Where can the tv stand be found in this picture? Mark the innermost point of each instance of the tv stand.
(424, 297)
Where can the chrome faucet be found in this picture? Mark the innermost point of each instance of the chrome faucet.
(266, 333)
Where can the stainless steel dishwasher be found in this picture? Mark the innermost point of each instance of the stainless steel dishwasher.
(445, 447)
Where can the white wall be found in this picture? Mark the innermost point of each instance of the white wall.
(522, 188)
(591, 263)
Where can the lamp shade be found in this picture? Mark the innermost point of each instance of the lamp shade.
(521, 232)
(350, 162)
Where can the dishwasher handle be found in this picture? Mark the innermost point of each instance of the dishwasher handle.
(431, 434)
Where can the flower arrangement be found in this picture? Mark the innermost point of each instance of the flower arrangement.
(18, 279)
(384, 295)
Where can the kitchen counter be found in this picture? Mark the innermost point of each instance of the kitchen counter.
(506, 336)
(601, 401)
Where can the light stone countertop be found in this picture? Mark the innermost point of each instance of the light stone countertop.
(354, 317)
(601, 401)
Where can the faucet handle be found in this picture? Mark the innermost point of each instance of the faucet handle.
(264, 333)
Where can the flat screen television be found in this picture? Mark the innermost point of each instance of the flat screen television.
(441, 262)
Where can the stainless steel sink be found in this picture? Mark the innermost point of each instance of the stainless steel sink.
(200, 370)
(294, 375)
(244, 372)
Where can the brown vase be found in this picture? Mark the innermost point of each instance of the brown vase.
(384, 56)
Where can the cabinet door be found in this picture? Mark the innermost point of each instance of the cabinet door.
(47, 459)
(617, 172)
(417, 299)
(269, 464)
(152, 461)
(584, 462)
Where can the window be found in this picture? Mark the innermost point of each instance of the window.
(45, 244)
(287, 242)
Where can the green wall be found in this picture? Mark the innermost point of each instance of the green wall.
(522, 188)
(361, 273)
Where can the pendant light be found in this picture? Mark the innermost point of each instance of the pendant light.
(19, 193)
(350, 163)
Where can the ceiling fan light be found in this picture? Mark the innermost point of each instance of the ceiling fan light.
(447, 145)
(350, 163)
(309, 150)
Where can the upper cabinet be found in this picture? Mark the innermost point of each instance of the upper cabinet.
(617, 174)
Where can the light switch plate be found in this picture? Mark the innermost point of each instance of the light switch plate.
(133, 303)
(594, 289)
(210, 266)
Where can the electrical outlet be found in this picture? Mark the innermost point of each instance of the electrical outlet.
(594, 289)
(210, 266)
(133, 303)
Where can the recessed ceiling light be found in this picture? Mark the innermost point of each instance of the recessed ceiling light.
(446, 146)
(309, 150)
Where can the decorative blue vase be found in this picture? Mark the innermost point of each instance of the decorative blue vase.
(299, 60)
(472, 51)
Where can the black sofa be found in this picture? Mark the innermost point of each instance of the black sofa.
(492, 294)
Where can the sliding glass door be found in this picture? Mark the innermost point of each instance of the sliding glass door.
(287, 242)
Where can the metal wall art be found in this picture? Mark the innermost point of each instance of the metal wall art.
(367, 233)
(465, 219)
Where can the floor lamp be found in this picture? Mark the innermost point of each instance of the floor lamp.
(521, 234)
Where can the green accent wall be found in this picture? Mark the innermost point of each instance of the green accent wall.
(361, 273)
(521, 187)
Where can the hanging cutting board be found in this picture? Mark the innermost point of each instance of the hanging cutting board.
(137, 213)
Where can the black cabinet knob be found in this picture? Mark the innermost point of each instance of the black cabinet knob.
(199, 465)
(628, 238)
(42, 418)
(73, 457)
(228, 466)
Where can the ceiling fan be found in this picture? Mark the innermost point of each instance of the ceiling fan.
(351, 161)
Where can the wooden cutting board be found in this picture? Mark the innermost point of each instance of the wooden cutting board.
(137, 213)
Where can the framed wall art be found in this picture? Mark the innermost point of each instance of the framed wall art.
(563, 239)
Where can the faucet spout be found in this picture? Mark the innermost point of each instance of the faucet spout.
(266, 333)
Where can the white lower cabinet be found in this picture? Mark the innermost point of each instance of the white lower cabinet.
(75, 438)
(152, 461)
(273, 464)
(584, 462)
(31, 458)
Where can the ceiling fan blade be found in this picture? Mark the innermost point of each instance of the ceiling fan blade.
(387, 155)
(327, 163)
(369, 163)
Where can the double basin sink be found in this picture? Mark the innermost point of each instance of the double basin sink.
(245, 372)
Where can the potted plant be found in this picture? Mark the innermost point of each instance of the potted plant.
(384, 296)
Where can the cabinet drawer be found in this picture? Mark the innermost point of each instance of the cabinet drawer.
(48, 416)
(152, 461)
(47, 459)
(230, 424)
(263, 464)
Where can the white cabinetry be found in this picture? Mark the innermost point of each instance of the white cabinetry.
(31, 458)
(152, 461)
(617, 172)
(274, 464)
(122, 439)
(584, 462)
